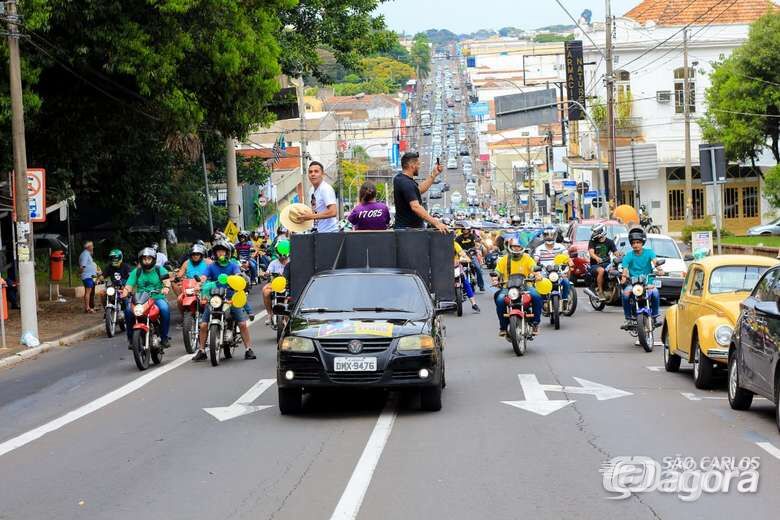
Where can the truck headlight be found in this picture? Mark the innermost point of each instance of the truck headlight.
(110, 291)
(513, 293)
(417, 342)
(216, 302)
(723, 335)
(638, 290)
(554, 277)
(297, 344)
(138, 309)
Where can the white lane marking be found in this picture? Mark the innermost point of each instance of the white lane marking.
(693, 397)
(97, 404)
(769, 448)
(242, 405)
(655, 369)
(352, 498)
(93, 406)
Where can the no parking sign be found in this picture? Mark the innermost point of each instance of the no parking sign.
(36, 194)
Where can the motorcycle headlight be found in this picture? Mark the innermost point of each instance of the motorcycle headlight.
(638, 290)
(138, 309)
(225, 307)
(216, 302)
(513, 293)
(110, 291)
(554, 277)
(417, 342)
(189, 292)
(297, 344)
(723, 335)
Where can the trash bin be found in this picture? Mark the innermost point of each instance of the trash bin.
(57, 266)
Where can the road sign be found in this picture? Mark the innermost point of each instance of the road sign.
(231, 231)
(536, 400)
(526, 109)
(591, 194)
(712, 157)
(36, 194)
(243, 405)
(569, 185)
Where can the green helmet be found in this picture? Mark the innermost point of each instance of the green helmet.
(115, 256)
(283, 247)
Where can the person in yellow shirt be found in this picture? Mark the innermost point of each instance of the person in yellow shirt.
(517, 261)
(461, 255)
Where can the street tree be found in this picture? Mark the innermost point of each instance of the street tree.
(421, 54)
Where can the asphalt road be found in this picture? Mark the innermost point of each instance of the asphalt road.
(75, 443)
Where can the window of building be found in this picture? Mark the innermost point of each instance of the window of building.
(679, 86)
(677, 204)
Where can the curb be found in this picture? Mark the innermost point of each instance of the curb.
(49, 345)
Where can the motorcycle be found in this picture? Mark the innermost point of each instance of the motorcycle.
(520, 313)
(554, 304)
(279, 304)
(246, 270)
(611, 286)
(491, 259)
(646, 221)
(223, 333)
(191, 308)
(644, 327)
(147, 337)
(114, 314)
(470, 268)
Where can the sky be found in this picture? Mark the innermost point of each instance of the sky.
(466, 16)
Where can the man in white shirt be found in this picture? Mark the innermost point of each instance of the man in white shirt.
(323, 201)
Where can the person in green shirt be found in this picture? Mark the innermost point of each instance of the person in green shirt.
(149, 278)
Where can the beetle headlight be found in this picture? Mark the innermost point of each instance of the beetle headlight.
(138, 309)
(554, 277)
(216, 302)
(110, 291)
(297, 344)
(418, 342)
(723, 335)
(513, 293)
(638, 290)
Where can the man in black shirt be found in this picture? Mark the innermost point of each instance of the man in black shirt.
(409, 212)
(599, 247)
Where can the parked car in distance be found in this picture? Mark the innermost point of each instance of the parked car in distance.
(675, 267)
(698, 329)
(754, 355)
(452, 163)
(436, 192)
(771, 228)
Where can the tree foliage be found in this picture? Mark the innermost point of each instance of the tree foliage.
(421, 54)
(743, 103)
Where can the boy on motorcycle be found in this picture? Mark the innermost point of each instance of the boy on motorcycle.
(469, 241)
(545, 255)
(521, 263)
(149, 278)
(117, 265)
(246, 252)
(460, 255)
(275, 268)
(223, 265)
(640, 261)
(600, 247)
(196, 264)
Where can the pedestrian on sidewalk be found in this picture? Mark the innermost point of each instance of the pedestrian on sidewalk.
(369, 214)
(88, 271)
(323, 201)
(409, 211)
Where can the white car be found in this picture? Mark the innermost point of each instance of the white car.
(452, 163)
(675, 268)
(456, 198)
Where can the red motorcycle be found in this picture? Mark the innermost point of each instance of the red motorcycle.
(147, 340)
(191, 308)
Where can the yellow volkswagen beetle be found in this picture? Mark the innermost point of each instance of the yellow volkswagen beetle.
(698, 329)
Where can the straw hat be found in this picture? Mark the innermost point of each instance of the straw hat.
(290, 217)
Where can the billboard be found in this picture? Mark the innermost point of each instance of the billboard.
(526, 109)
(575, 78)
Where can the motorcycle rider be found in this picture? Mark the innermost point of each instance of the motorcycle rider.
(116, 264)
(599, 247)
(545, 255)
(640, 261)
(246, 252)
(149, 278)
(196, 264)
(521, 263)
(276, 267)
(223, 265)
(470, 242)
(461, 255)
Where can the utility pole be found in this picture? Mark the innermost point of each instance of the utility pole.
(531, 184)
(611, 158)
(302, 114)
(24, 235)
(233, 206)
(686, 111)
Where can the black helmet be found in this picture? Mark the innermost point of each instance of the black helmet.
(550, 233)
(222, 244)
(637, 234)
(243, 235)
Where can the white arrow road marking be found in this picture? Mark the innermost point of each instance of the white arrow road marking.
(352, 498)
(769, 448)
(536, 400)
(242, 405)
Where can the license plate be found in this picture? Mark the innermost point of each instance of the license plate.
(657, 282)
(354, 364)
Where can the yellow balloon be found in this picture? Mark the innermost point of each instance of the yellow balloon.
(237, 282)
(544, 286)
(239, 299)
(279, 284)
(561, 259)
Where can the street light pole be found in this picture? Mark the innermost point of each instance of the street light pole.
(24, 235)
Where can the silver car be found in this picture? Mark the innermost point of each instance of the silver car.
(772, 228)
